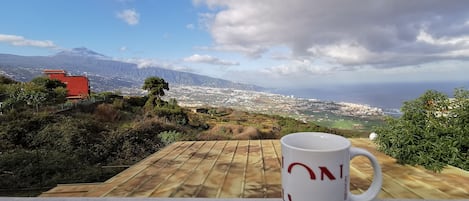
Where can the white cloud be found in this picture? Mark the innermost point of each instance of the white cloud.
(299, 68)
(21, 41)
(152, 63)
(123, 48)
(443, 41)
(196, 58)
(130, 16)
(374, 33)
(342, 53)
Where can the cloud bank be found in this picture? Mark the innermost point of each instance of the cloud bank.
(209, 60)
(347, 34)
(21, 41)
(155, 63)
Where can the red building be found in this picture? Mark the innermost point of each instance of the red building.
(78, 86)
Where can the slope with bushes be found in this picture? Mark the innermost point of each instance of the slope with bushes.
(44, 143)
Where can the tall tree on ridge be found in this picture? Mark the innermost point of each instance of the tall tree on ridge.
(155, 87)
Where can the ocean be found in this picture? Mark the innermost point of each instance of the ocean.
(388, 96)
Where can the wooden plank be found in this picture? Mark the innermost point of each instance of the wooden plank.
(230, 150)
(66, 190)
(251, 169)
(451, 182)
(401, 174)
(382, 194)
(136, 169)
(455, 180)
(278, 150)
(211, 182)
(272, 169)
(254, 182)
(390, 189)
(195, 173)
(133, 184)
(234, 182)
(205, 167)
(361, 172)
(437, 181)
(159, 176)
(175, 181)
(149, 160)
(64, 194)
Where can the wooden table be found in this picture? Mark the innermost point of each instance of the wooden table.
(251, 169)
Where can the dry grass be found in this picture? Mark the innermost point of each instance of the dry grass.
(106, 112)
(229, 124)
(230, 131)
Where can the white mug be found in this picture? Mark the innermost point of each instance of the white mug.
(316, 166)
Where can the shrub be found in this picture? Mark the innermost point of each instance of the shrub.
(136, 101)
(168, 137)
(173, 112)
(432, 131)
(107, 112)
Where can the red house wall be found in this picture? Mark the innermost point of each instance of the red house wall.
(77, 86)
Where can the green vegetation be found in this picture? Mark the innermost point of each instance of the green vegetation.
(41, 148)
(155, 87)
(168, 137)
(17, 96)
(44, 141)
(432, 132)
(331, 120)
(226, 123)
(6, 80)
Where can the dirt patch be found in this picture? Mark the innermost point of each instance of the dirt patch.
(230, 131)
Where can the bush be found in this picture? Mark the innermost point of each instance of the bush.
(289, 125)
(22, 168)
(18, 130)
(168, 137)
(128, 146)
(432, 131)
(136, 101)
(172, 112)
(107, 112)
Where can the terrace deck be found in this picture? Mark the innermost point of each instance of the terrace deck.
(251, 169)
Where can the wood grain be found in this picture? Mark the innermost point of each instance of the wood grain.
(251, 169)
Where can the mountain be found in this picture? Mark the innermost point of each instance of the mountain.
(104, 73)
(82, 52)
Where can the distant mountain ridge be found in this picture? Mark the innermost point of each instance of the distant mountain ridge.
(82, 52)
(104, 73)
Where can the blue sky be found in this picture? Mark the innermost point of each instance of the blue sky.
(297, 43)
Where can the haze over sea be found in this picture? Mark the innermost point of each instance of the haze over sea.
(388, 96)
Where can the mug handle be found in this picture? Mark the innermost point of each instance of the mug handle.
(375, 186)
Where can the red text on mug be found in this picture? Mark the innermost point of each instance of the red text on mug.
(323, 171)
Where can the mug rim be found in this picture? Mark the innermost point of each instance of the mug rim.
(347, 145)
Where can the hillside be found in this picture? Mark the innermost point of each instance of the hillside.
(105, 74)
(42, 149)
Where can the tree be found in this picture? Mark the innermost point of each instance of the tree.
(33, 95)
(40, 91)
(4, 81)
(47, 83)
(432, 131)
(55, 89)
(155, 87)
(22, 94)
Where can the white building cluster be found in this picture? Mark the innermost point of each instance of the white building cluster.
(253, 101)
